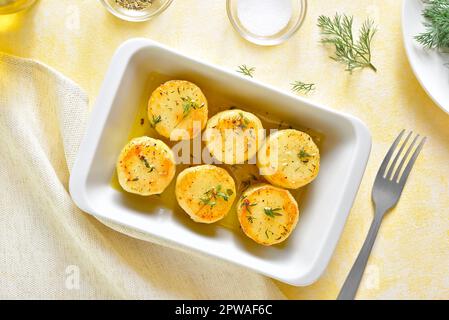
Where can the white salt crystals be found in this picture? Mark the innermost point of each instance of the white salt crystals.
(264, 17)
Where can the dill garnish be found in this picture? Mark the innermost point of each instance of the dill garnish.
(303, 155)
(353, 53)
(436, 36)
(250, 219)
(243, 121)
(155, 121)
(243, 69)
(247, 204)
(189, 104)
(272, 212)
(302, 87)
(211, 195)
(147, 164)
(208, 201)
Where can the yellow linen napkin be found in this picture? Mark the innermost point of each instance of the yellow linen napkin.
(48, 247)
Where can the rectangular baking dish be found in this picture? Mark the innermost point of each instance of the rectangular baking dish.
(344, 154)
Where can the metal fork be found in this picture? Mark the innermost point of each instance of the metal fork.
(386, 192)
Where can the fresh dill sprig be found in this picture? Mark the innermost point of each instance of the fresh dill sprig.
(302, 87)
(188, 105)
(146, 163)
(243, 121)
(436, 13)
(353, 53)
(304, 156)
(210, 196)
(243, 69)
(247, 204)
(155, 121)
(272, 212)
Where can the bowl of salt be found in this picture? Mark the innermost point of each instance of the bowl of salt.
(266, 22)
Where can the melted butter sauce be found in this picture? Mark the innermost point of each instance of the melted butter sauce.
(244, 174)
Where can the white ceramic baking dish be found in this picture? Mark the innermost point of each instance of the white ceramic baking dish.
(324, 209)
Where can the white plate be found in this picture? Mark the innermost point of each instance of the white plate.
(428, 65)
(329, 198)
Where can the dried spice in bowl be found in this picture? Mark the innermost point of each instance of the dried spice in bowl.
(134, 4)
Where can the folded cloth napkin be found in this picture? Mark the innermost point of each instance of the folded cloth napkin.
(48, 247)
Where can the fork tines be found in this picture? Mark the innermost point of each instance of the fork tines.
(395, 172)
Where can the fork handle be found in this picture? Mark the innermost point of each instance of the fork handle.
(352, 282)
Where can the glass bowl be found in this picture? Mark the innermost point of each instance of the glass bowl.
(249, 20)
(13, 6)
(157, 7)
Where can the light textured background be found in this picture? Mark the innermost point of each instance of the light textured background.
(411, 256)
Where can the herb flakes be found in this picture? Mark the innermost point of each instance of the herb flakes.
(272, 213)
(134, 4)
(243, 69)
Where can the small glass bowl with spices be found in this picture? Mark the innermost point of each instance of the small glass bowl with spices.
(136, 10)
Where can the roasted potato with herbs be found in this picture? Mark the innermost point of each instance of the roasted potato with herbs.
(178, 110)
(233, 136)
(289, 159)
(205, 192)
(267, 214)
(145, 166)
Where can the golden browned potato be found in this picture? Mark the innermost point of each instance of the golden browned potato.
(233, 136)
(267, 214)
(178, 110)
(289, 159)
(145, 166)
(205, 192)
